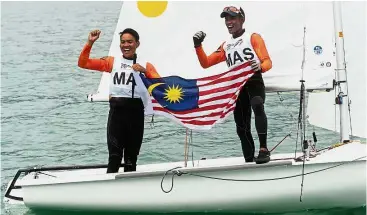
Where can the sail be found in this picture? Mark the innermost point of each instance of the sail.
(166, 39)
(322, 110)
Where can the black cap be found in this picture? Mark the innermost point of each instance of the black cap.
(232, 11)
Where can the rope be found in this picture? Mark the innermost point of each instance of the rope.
(42, 173)
(292, 119)
(172, 179)
(349, 101)
(152, 122)
(180, 173)
(288, 135)
(350, 115)
(186, 147)
(303, 176)
(192, 148)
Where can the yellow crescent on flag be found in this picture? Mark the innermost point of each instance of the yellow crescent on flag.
(151, 87)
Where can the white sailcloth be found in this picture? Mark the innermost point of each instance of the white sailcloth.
(166, 40)
(86, 188)
(322, 110)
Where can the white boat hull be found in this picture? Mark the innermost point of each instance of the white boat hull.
(339, 186)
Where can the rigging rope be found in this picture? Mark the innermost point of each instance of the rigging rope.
(292, 119)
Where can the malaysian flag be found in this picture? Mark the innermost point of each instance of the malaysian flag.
(197, 103)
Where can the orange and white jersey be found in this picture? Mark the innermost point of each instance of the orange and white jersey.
(122, 74)
(239, 50)
(236, 50)
(122, 78)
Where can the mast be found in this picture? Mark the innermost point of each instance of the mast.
(342, 99)
(303, 96)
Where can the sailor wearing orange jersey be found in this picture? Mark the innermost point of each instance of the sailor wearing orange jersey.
(125, 126)
(243, 47)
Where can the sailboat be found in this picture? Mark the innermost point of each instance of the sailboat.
(306, 43)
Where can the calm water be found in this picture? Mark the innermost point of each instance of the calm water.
(46, 121)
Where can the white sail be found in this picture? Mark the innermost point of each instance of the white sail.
(246, 186)
(322, 110)
(166, 40)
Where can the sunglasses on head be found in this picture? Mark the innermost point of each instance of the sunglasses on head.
(231, 8)
(234, 10)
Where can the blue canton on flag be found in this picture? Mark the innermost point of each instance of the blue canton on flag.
(173, 92)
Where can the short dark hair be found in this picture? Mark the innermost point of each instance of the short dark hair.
(132, 32)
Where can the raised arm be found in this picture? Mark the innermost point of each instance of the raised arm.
(104, 64)
(207, 61)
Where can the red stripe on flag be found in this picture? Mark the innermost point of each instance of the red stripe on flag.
(197, 122)
(179, 114)
(210, 122)
(206, 108)
(225, 79)
(214, 114)
(216, 98)
(219, 89)
(222, 74)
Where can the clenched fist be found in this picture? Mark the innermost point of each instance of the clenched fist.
(93, 36)
(198, 38)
